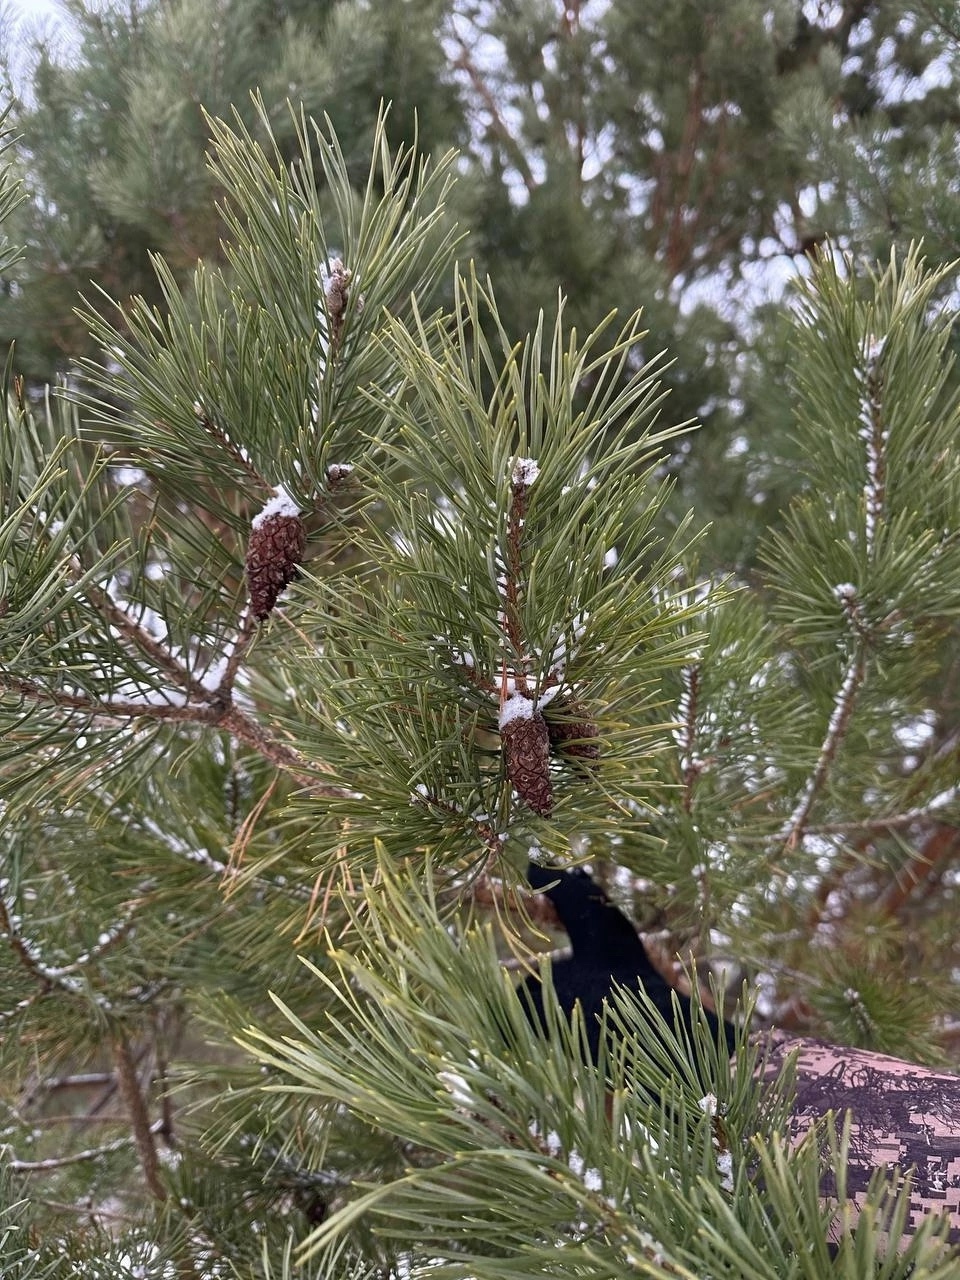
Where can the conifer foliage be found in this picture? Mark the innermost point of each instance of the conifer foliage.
(320, 609)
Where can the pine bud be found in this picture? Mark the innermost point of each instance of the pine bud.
(274, 550)
(337, 293)
(526, 751)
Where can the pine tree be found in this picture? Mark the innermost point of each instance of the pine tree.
(690, 155)
(694, 155)
(321, 607)
(112, 141)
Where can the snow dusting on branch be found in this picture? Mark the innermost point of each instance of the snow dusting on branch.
(691, 763)
(793, 828)
(873, 433)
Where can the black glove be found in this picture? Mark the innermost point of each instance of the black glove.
(607, 951)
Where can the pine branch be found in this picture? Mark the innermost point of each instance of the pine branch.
(76, 1157)
(143, 1129)
(942, 845)
(793, 829)
(56, 976)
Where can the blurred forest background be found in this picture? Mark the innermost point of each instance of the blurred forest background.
(688, 157)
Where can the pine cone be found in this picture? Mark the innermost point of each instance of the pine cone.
(526, 749)
(573, 732)
(274, 551)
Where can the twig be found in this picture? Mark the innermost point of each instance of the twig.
(109, 938)
(246, 632)
(513, 575)
(517, 964)
(938, 849)
(82, 1080)
(80, 1118)
(535, 907)
(251, 732)
(48, 977)
(114, 709)
(216, 715)
(223, 440)
(842, 709)
(894, 822)
(690, 763)
(95, 1214)
(91, 1153)
(143, 1130)
(9, 930)
(141, 639)
(481, 86)
(485, 831)
(873, 433)
(247, 827)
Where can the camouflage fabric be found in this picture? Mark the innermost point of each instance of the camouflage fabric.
(902, 1115)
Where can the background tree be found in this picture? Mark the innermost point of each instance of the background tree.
(113, 141)
(690, 155)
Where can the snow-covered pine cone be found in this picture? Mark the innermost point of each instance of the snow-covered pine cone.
(274, 551)
(526, 750)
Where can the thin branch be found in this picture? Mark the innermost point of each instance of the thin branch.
(691, 765)
(873, 433)
(91, 1153)
(238, 454)
(90, 1211)
(937, 850)
(141, 639)
(216, 715)
(535, 907)
(83, 1080)
(9, 930)
(511, 584)
(517, 964)
(843, 703)
(894, 822)
(675, 251)
(7, 1014)
(795, 825)
(481, 86)
(235, 656)
(113, 709)
(143, 1130)
(80, 1118)
(253, 734)
(48, 977)
(485, 831)
(108, 938)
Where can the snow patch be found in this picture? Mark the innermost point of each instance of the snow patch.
(281, 504)
(525, 472)
(519, 707)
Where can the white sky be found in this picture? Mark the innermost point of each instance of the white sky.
(21, 20)
(46, 14)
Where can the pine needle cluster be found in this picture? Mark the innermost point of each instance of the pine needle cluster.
(480, 636)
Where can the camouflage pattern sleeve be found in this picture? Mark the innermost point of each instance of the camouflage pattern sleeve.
(902, 1115)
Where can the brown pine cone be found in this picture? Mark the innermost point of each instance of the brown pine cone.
(573, 732)
(274, 551)
(526, 750)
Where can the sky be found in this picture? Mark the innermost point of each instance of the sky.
(20, 19)
(27, 13)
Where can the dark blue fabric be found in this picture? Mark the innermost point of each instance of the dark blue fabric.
(607, 951)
